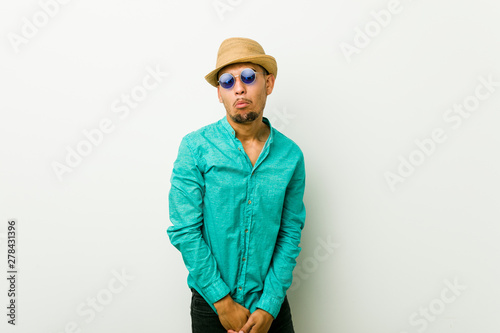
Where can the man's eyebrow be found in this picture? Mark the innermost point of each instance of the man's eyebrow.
(254, 67)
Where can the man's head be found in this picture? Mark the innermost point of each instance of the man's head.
(245, 102)
(244, 94)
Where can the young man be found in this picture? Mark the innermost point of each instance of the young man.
(236, 203)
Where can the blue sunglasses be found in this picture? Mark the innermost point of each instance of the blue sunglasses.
(247, 76)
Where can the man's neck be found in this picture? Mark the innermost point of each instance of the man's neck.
(252, 131)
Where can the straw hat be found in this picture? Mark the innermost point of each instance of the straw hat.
(237, 49)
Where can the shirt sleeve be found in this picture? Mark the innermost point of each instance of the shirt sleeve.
(287, 249)
(186, 214)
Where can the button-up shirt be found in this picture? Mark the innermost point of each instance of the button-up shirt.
(238, 226)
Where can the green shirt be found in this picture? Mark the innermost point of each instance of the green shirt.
(238, 226)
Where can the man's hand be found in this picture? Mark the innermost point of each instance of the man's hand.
(232, 315)
(259, 322)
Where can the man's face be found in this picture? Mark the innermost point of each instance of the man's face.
(245, 103)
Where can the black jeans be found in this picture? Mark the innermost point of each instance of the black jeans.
(205, 320)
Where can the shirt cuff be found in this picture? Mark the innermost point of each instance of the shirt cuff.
(270, 304)
(216, 291)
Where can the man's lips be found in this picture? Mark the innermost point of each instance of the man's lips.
(242, 103)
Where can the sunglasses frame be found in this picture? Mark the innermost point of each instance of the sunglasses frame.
(235, 76)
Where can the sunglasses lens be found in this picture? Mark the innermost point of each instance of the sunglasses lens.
(226, 81)
(247, 76)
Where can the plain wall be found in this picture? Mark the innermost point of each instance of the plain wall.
(388, 100)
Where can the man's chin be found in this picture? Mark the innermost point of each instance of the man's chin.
(245, 117)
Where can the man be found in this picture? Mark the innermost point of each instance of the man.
(236, 203)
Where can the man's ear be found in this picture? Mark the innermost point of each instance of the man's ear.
(218, 94)
(270, 83)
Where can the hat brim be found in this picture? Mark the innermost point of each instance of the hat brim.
(266, 61)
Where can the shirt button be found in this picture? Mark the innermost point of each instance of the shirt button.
(249, 202)
(240, 288)
(246, 230)
(244, 259)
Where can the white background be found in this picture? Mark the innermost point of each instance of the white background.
(354, 118)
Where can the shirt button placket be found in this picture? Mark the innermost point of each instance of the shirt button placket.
(248, 223)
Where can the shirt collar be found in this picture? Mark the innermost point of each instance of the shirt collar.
(232, 133)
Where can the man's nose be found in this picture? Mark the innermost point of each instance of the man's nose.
(239, 87)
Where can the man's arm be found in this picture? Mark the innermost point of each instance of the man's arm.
(279, 277)
(186, 214)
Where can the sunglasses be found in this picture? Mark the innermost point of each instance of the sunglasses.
(247, 76)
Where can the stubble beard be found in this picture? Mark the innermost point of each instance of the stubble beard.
(245, 118)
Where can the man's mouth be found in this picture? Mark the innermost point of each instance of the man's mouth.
(242, 103)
